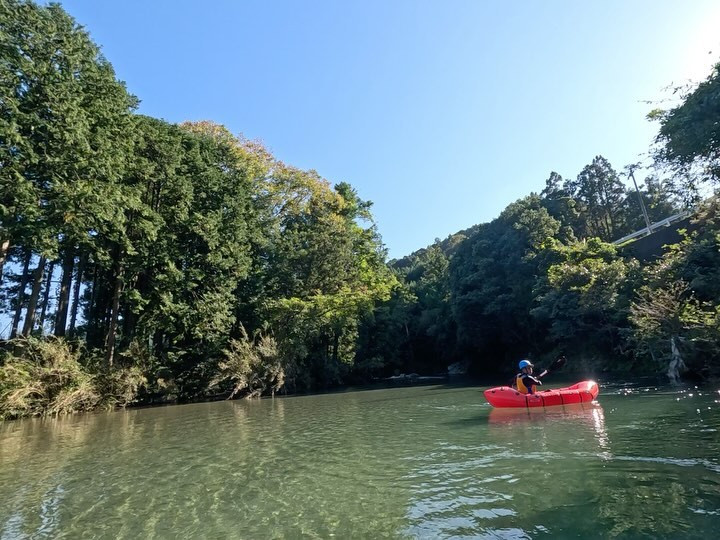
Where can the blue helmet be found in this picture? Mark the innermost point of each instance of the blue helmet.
(524, 364)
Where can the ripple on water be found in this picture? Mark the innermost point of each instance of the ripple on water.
(419, 463)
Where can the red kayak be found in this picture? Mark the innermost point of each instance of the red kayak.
(504, 396)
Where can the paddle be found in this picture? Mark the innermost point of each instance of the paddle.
(557, 364)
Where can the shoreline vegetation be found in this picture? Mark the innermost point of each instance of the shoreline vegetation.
(146, 262)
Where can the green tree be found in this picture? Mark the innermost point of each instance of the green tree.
(602, 200)
(63, 125)
(326, 271)
(491, 281)
(689, 136)
(676, 315)
(583, 297)
(183, 249)
(561, 206)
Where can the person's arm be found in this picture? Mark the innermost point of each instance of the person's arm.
(529, 381)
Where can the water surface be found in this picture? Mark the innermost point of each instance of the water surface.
(420, 462)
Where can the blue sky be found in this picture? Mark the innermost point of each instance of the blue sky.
(442, 113)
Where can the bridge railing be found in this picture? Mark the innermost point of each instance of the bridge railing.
(645, 231)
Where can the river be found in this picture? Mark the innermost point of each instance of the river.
(417, 462)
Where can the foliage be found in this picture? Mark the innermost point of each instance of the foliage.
(680, 299)
(583, 298)
(253, 366)
(491, 282)
(413, 330)
(172, 244)
(688, 141)
(167, 240)
(602, 198)
(63, 118)
(39, 377)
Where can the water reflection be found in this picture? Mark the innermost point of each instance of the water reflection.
(481, 488)
(582, 412)
(588, 417)
(416, 462)
(33, 477)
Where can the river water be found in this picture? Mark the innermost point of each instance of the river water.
(418, 462)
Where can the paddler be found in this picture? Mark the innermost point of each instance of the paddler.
(524, 380)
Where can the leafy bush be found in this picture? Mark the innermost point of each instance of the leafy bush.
(47, 377)
(252, 365)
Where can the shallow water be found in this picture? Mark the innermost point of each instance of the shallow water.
(420, 462)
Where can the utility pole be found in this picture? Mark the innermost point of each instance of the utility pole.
(631, 174)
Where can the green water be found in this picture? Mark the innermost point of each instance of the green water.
(420, 462)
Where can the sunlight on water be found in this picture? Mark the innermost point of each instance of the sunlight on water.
(421, 462)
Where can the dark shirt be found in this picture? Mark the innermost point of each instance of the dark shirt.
(528, 380)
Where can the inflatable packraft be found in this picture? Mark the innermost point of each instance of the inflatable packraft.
(504, 396)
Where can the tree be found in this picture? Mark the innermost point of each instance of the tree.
(602, 195)
(491, 281)
(688, 141)
(63, 120)
(583, 296)
(676, 315)
(183, 249)
(325, 271)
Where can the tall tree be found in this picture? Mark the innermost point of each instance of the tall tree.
(63, 136)
(583, 295)
(602, 195)
(34, 295)
(562, 206)
(46, 296)
(20, 294)
(689, 136)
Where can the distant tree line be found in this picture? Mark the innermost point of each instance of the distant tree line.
(544, 278)
(147, 261)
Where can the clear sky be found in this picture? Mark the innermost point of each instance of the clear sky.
(442, 113)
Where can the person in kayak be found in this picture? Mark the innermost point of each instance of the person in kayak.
(524, 381)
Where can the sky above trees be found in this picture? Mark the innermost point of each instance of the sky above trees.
(441, 113)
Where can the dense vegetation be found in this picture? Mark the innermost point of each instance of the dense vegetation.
(146, 261)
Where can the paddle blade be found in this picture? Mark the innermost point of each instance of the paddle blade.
(557, 364)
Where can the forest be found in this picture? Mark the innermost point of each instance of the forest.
(149, 262)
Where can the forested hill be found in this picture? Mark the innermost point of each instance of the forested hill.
(544, 278)
(143, 261)
(448, 246)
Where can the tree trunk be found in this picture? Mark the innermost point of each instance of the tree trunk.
(34, 295)
(64, 296)
(76, 294)
(676, 363)
(110, 340)
(336, 346)
(4, 248)
(93, 335)
(652, 354)
(128, 316)
(46, 300)
(20, 298)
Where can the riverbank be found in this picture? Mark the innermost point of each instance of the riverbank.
(53, 377)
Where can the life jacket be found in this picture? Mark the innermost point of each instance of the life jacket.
(521, 385)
